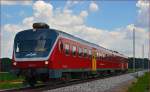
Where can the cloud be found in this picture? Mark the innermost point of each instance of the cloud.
(42, 9)
(11, 28)
(119, 39)
(27, 22)
(71, 3)
(16, 2)
(93, 7)
(84, 13)
(8, 33)
(143, 18)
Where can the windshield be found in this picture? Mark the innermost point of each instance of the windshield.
(32, 48)
(34, 44)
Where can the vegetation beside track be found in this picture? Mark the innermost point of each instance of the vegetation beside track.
(9, 80)
(142, 84)
(6, 76)
(9, 85)
(136, 70)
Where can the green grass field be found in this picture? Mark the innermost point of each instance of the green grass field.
(9, 85)
(142, 84)
(9, 80)
(5, 76)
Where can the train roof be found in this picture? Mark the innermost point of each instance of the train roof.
(64, 34)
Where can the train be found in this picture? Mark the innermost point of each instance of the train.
(44, 54)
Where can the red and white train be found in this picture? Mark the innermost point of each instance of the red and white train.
(43, 53)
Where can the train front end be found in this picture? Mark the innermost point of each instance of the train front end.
(32, 51)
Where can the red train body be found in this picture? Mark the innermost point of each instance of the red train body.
(62, 53)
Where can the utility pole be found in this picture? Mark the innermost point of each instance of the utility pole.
(149, 38)
(149, 48)
(143, 56)
(134, 49)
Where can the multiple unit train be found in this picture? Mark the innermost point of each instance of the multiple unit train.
(45, 54)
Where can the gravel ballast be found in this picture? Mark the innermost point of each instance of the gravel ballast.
(101, 85)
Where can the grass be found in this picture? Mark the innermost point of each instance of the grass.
(131, 70)
(6, 76)
(142, 84)
(9, 85)
(9, 80)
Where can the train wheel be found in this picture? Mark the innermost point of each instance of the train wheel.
(82, 76)
(44, 77)
(32, 82)
(85, 76)
(67, 77)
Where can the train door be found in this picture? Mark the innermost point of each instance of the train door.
(94, 61)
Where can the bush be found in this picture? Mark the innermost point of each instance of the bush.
(5, 65)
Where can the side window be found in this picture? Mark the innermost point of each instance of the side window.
(107, 57)
(60, 46)
(100, 55)
(80, 51)
(97, 55)
(90, 53)
(85, 52)
(103, 55)
(67, 49)
(74, 49)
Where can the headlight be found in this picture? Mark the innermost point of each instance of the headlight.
(14, 63)
(46, 62)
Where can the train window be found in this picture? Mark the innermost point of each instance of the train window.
(74, 48)
(80, 51)
(107, 56)
(67, 49)
(97, 55)
(90, 53)
(101, 55)
(85, 52)
(60, 46)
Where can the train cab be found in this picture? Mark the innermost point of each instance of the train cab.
(32, 50)
(33, 45)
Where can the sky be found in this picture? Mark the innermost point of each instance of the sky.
(107, 23)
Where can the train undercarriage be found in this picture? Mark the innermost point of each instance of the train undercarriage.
(32, 76)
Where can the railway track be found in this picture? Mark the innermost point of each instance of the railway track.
(56, 85)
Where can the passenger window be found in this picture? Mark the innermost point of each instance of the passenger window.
(103, 55)
(100, 55)
(85, 52)
(107, 56)
(80, 51)
(97, 55)
(67, 49)
(74, 48)
(90, 53)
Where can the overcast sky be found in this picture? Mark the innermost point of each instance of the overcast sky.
(106, 23)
